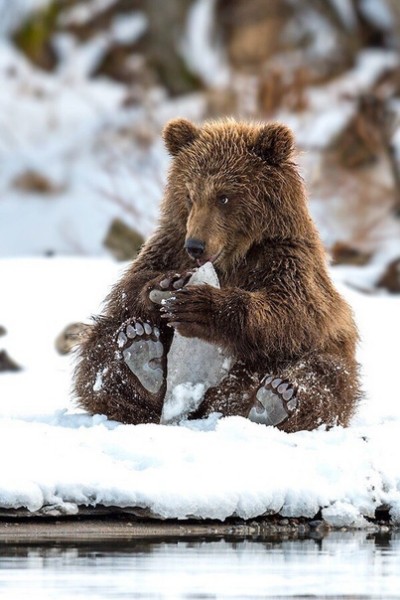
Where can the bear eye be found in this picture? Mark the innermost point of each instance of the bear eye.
(223, 199)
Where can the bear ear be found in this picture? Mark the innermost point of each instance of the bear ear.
(274, 143)
(179, 133)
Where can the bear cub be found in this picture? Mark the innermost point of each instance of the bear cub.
(234, 197)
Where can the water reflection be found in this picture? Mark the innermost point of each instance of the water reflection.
(355, 565)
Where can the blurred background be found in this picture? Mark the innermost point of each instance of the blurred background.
(87, 85)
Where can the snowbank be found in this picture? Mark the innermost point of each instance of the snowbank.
(55, 457)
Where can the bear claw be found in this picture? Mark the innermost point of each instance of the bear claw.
(143, 353)
(274, 402)
(169, 285)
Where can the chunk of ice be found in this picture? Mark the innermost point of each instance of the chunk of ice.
(192, 363)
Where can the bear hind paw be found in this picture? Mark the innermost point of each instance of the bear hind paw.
(143, 353)
(274, 401)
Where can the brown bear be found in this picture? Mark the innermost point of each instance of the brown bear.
(234, 197)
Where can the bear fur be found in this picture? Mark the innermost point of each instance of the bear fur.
(235, 187)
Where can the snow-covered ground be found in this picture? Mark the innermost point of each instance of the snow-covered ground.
(55, 457)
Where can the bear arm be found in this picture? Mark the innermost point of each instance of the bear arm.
(160, 255)
(260, 324)
(276, 325)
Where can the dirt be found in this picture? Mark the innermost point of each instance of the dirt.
(125, 527)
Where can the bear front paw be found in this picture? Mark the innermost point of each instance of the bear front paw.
(168, 285)
(191, 311)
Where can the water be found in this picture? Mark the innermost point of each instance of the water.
(341, 565)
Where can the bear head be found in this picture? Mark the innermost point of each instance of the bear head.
(233, 185)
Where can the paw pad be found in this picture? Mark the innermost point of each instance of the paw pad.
(143, 353)
(275, 401)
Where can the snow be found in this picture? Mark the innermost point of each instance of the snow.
(83, 12)
(183, 399)
(100, 157)
(378, 13)
(58, 457)
(80, 60)
(104, 159)
(128, 28)
(202, 52)
(345, 10)
(332, 105)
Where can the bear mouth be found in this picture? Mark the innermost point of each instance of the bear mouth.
(211, 259)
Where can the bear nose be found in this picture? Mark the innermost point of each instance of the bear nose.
(195, 247)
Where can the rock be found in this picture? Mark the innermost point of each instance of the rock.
(256, 32)
(70, 337)
(7, 363)
(390, 280)
(365, 137)
(33, 181)
(345, 254)
(123, 242)
(252, 30)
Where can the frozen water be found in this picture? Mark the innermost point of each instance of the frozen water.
(192, 362)
(356, 565)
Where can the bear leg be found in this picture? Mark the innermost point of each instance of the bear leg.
(122, 371)
(143, 353)
(233, 396)
(305, 394)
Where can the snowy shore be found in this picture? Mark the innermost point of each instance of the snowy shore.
(56, 458)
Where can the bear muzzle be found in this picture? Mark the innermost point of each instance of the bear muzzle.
(195, 248)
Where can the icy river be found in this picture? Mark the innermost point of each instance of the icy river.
(340, 565)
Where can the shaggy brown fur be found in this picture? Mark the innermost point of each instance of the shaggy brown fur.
(234, 187)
